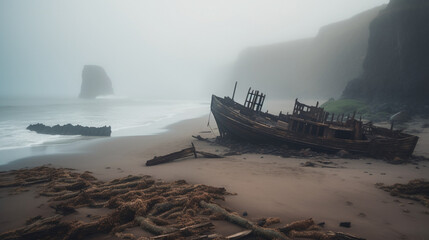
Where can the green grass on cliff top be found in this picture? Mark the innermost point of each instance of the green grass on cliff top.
(345, 106)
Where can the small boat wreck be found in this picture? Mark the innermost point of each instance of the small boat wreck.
(308, 127)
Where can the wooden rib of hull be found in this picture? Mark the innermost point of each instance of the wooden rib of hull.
(232, 122)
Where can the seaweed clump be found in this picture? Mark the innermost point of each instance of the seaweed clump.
(167, 210)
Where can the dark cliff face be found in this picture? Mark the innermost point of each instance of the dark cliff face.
(396, 68)
(95, 82)
(314, 67)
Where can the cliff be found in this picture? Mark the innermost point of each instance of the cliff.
(396, 68)
(314, 67)
(95, 82)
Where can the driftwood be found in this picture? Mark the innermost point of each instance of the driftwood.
(209, 155)
(187, 152)
(186, 231)
(417, 189)
(242, 222)
(298, 225)
(148, 225)
(198, 137)
(172, 156)
(40, 229)
(239, 235)
(170, 210)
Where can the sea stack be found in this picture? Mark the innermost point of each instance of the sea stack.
(95, 82)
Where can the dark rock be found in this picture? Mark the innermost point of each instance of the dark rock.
(345, 224)
(321, 224)
(95, 82)
(396, 64)
(261, 222)
(244, 213)
(69, 129)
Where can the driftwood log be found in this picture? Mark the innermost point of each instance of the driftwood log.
(242, 222)
(187, 152)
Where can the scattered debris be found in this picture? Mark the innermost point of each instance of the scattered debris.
(343, 153)
(187, 152)
(321, 224)
(169, 210)
(238, 147)
(417, 189)
(198, 137)
(265, 222)
(322, 164)
(345, 224)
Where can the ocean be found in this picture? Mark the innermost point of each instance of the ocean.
(126, 116)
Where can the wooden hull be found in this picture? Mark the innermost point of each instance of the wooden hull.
(233, 121)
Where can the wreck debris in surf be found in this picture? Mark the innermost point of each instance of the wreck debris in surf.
(308, 127)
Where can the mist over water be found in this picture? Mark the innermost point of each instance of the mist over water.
(158, 49)
(164, 59)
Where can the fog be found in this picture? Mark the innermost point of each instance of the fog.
(154, 49)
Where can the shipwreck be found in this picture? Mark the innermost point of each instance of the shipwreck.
(308, 127)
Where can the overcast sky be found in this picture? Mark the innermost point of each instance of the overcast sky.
(147, 47)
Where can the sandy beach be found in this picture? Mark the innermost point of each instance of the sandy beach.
(265, 185)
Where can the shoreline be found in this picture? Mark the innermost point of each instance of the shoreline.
(266, 185)
(73, 144)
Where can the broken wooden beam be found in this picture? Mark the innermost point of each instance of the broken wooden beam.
(172, 156)
(198, 137)
(209, 155)
(182, 232)
(239, 235)
(180, 154)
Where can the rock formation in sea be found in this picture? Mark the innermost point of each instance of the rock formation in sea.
(314, 67)
(69, 129)
(396, 67)
(95, 82)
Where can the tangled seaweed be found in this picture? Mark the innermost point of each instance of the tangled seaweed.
(417, 189)
(168, 210)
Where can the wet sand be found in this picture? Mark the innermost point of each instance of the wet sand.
(266, 185)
